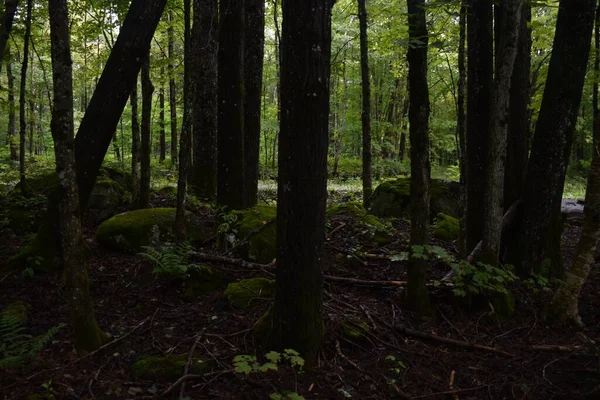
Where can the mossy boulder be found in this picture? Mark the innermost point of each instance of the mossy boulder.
(149, 227)
(392, 198)
(106, 198)
(354, 329)
(18, 310)
(446, 227)
(503, 303)
(242, 294)
(123, 178)
(43, 184)
(251, 233)
(203, 279)
(167, 368)
(376, 229)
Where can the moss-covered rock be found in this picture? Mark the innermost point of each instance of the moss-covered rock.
(149, 227)
(18, 310)
(43, 184)
(123, 178)
(354, 329)
(250, 233)
(392, 198)
(446, 227)
(203, 279)
(167, 368)
(503, 303)
(105, 199)
(376, 229)
(241, 294)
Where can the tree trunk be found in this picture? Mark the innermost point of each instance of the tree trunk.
(161, 102)
(135, 148)
(596, 123)
(31, 119)
(172, 90)
(22, 121)
(416, 292)
(367, 173)
(403, 129)
(302, 189)
(253, 73)
(541, 229)
(460, 124)
(186, 128)
(146, 148)
(206, 35)
(231, 186)
(480, 69)
(88, 335)
(10, 8)
(12, 118)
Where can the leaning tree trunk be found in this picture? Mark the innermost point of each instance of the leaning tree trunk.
(22, 122)
(88, 335)
(146, 148)
(12, 118)
(480, 70)
(172, 90)
(541, 230)
(302, 188)
(135, 148)
(10, 8)
(230, 141)
(367, 173)
(253, 73)
(205, 32)
(509, 25)
(416, 292)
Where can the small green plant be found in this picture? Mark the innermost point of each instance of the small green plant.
(537, 283)
(27, 273)
(16, 348)
(396, 366)
(226, 228)
(170, 261)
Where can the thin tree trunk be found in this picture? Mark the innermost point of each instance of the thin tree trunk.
(403, 129)
(253, 76)
(22, 121)
(31, 119)
(230, 142)
(509, 22)
(12, 118)
(416, 292)
(461, 123)
(206, 35)
(596, 123)
(135, 148)
(172, 90)
(10, 8)
(146, 148)
(161, 101)
(302, 190)
(367, 173)
(88, 335)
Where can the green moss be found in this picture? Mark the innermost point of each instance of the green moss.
(18, 309)
(353, 209)
(106, 194)
(167, 368)
(503, 303)
(149, 227)
(123, 178)
(203, 280)
(241, 294)
(446, 228)
(354, 328)
(377, 229)
(39, 184)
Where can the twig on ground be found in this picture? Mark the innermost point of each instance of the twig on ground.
(186, 369)
(451, 383)
(339, 351)
(95, 377)
(337, 228)
(453, 392)
(452, 326)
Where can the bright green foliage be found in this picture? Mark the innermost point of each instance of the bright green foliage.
(170, 261)
(246, 364)
(446, 227)
(480, 278)
(247, 291)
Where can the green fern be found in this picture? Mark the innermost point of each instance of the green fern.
(16, 347)
(170, 261)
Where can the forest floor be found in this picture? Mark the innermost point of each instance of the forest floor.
(522, 357)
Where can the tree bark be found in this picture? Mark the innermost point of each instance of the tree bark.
(480, 69)
(88, 335)
(253, 73)
(22, 121)
(506, 52)
(302, 188)
(367, 173)
(172, 90)
(417, 295)
(230, 142)
(403, 129)
(146, 148)
(135, 147)
(206, 35)
(596, 123)
(541, 230)
(12, 106)
(461, 123)
(161, 102)
(10, 8)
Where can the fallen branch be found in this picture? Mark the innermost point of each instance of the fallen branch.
(555, 347)
(458, 343)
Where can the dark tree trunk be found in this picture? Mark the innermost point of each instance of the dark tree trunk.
(22, 121)
(416, 292)
(10, 8)
(480, 69)
(596, 123)
(172, 90)
(185, 146)
(115, 143)
(541, 229)
(508, 27)
(146, 148)
(12, 118)
(161, 101)
(231, 186)
(253, 73)
(302, 189)
(31, 119)
(206, 35)
(367, 173)
(461, 123)
(403, 129)
(135, 148)
(88, 335)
